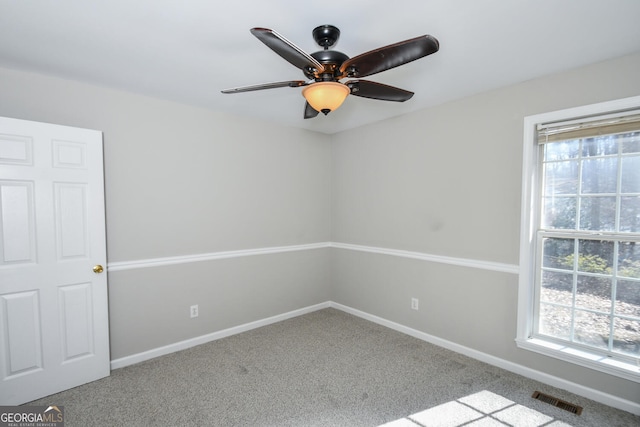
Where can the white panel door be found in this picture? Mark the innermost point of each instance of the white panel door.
(54, 331)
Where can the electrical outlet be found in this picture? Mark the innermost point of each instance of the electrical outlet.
(414, 303)
(194, 311)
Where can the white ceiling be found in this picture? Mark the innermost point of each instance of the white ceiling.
(189, 50)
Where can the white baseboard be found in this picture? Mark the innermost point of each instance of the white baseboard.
(203, 339)
(578, 389)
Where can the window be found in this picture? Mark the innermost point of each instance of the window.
(579, 293)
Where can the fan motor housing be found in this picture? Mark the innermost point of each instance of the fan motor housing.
(332, 60)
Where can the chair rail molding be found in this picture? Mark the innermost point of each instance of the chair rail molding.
(183, 259)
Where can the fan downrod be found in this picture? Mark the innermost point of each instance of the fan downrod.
(326, 35)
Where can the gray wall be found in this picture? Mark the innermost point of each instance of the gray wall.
(187, 181)
(443, 181)
(447, 181)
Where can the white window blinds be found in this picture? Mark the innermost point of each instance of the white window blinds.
(623, 122)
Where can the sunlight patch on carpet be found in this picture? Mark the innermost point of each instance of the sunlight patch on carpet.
(482, 409)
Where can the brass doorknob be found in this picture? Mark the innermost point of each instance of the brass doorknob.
(98, 268)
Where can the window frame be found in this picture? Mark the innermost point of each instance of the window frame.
(529, 262)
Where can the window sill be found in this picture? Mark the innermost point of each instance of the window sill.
(594, 361)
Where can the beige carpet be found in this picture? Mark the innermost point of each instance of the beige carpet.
(326, 368)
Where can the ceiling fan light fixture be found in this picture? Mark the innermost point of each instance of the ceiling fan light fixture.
(325, 96)
(324, 69)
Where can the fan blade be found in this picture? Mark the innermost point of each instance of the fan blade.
(309, 112)
(373, 90)
(293, 83)
(388, 57)
(288, 50)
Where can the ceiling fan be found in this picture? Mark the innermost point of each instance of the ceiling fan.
(323, 91)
